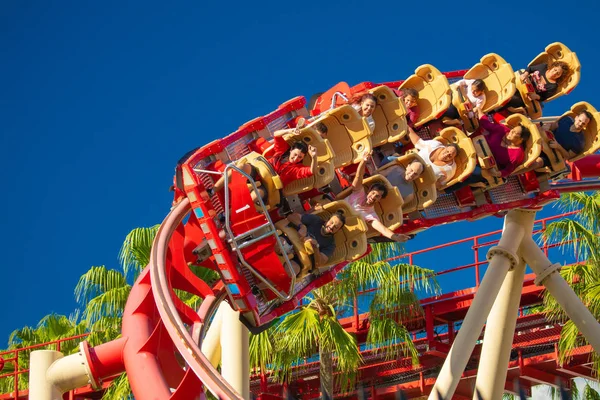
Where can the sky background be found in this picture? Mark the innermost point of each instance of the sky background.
(99, 100)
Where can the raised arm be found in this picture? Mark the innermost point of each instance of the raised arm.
(358, 178)
(312, 151)
(281, 132)
(388, 233)
(412, 135)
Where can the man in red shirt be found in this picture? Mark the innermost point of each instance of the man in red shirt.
(286, 160)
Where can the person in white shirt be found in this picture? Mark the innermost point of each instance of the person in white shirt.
(475, 89)
(364, 203)
(439, 156)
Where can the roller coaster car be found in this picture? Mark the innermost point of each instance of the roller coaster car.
(465, 160)
(269, 179)
(425, 192)
(350, 241)
(557, 161)
(348, 133)
(534, 144)
(389, 209)
(553, 52)
(434, 92)
(389, 116)
(487, 162)
(325, 158)
(592, 131)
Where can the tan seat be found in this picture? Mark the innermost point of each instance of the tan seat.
(350, 241)
(465, 160)
(348, 133)
(268, 178)
(465, 108)
(534, 144)
(434, 92)
(389, 210)
(389, 116)
(553, 52)
(592, 131)
(487, 162)
(499, 79)
(557, 161)
(325, 156)
(425, 192)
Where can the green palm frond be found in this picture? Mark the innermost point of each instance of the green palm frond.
(334, 338)
(96, 281)
(111, 303)
(393, 339)
(589, 393)
(119, 389)
(587, 205)
(135, 252)
(262, 349)
(571, 234)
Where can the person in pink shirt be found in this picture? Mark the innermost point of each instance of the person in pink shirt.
(364, 202)
(507, 146)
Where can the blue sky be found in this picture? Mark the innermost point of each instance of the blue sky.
(99, 100)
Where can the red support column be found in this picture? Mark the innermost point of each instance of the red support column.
(429, 323)
(450, 332)
(264, 383)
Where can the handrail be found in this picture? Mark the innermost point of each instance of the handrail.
(271, 232)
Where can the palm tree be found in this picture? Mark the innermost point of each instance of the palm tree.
(581, 235)
(103, 293)
(314, 327)
(50, 328)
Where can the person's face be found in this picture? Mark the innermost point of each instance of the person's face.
(413, 171)
(374, 196)
(476, 92)
(448, 154)
(296, 156)
(333, 225)
(367, 107)
(554, 73)
(514, 136)
(581, 122)
(409, 101)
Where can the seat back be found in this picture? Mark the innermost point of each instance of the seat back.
(389, 210)
(532, 107)
(486, 161)
(559, 52)
(325, 156)
(592, 131)
(389, 116)
(350, 241)
(434, 92)
(557, 161)
(348, 133)
(466, 159)
(268, 178)
(534, 144)
(425, 192)
(464, 107)
(499, 79)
